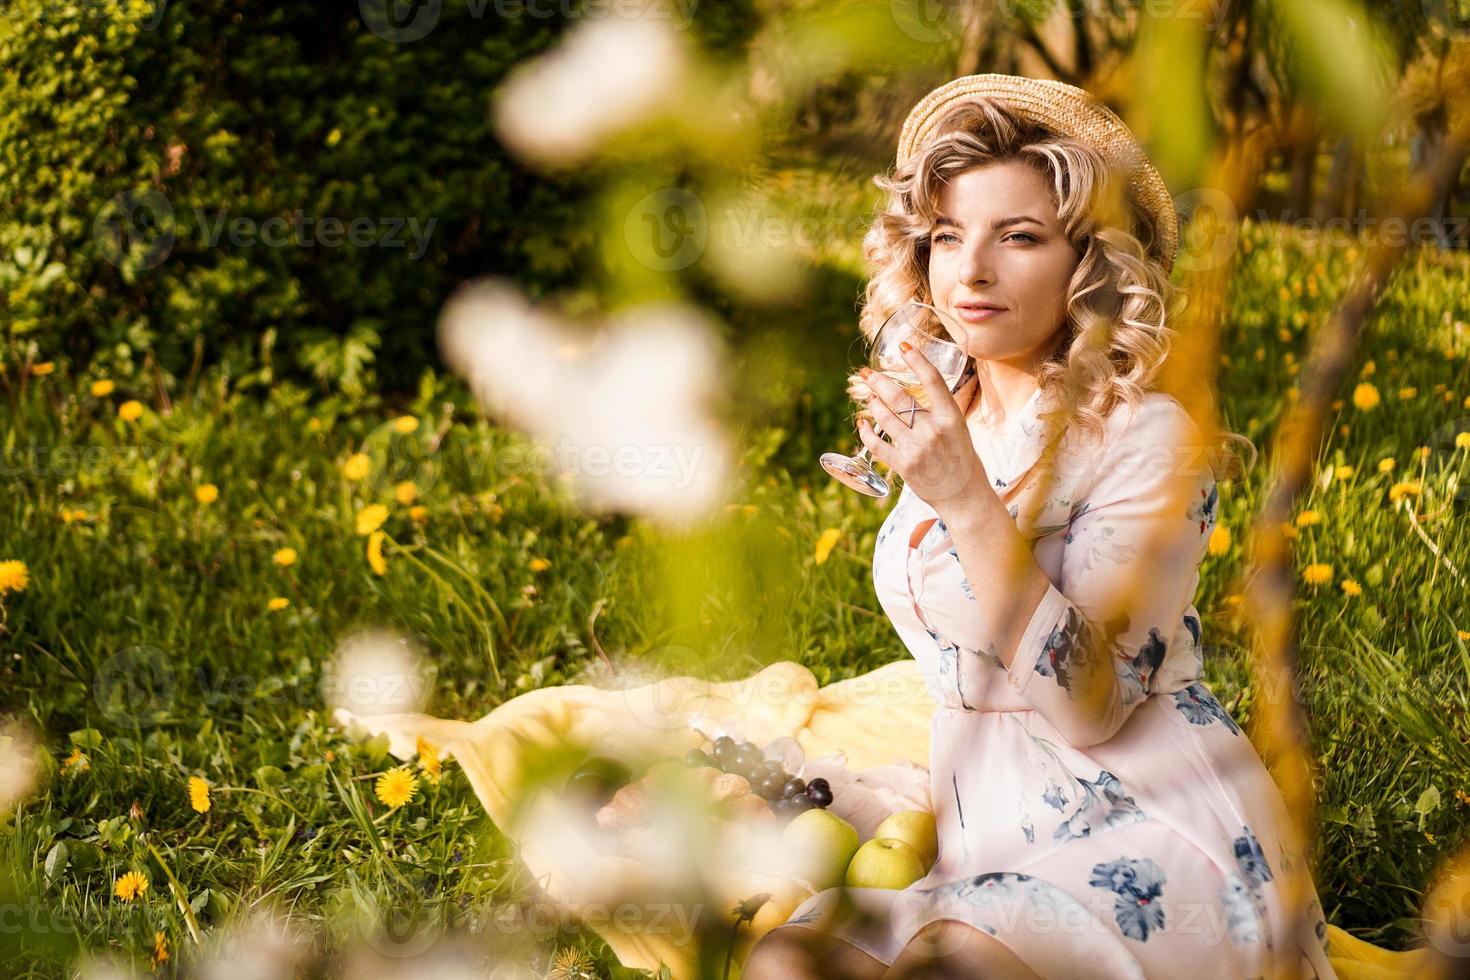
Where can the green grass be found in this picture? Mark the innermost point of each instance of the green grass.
(151, 576)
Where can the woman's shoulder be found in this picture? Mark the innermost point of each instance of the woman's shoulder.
(1157, 418)
(1153, 436)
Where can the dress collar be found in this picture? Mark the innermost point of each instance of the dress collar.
(1010, 452)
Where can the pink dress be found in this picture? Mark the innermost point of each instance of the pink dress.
(1140, 839)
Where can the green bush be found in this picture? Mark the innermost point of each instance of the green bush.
(145, 146)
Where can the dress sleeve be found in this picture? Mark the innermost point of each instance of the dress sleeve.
(1130, 566)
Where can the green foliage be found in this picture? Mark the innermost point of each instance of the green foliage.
(166, 172)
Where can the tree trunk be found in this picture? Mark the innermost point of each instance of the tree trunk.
(1340, 180)
(1302, 166)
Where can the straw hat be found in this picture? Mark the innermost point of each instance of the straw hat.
(1068, 111)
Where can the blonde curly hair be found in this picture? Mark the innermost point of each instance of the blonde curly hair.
(1115, 333)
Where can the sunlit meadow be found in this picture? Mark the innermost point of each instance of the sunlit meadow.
(227, 541)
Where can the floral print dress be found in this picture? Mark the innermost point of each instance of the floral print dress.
(1141, 837)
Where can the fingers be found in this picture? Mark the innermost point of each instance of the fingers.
(885, 388)
(939, 397)
(885, 418)
(874, 443)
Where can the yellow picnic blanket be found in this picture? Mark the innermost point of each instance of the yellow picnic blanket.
(874, 719)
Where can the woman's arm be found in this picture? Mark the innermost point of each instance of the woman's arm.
(1084, 651)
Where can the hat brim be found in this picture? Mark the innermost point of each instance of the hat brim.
(1068, 111)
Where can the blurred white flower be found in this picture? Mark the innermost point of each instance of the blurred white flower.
(622, 412)
(19, 768)
(607, 75)
(92, 965)
(261, 946)
(449, 959)
(375, 672)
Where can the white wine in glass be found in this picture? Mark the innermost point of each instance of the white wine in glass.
(912, 322)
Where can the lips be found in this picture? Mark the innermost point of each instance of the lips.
(978, 306)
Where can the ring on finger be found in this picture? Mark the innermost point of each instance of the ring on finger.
(913, 410)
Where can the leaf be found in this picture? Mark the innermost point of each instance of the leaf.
(269, 776)
(86, 738)
(56, 861)
(1427, 804)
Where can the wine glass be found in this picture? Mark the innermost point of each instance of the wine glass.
(907, 323)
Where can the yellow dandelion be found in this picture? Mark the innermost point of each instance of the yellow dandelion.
(371, 517)
(130, 886)
(357, 467)
(406, 424)
(1343, 430)
(571, 963)
(43, 368)
(375, 553)
(277, 603)
(160, 950)
(1351, 587)
(1307, 518)
(1234, 600)
(1337, 404)
(406, 493)
(826, 543)
(76, 762)
(130, 411)
(1365, 397)
(1317, 574)
(1219, 540)
(1406, 393)
(429, 759)
(102, 388)
(1343, 472)
(1466, 402)
(70, 516)
(285, 557)
(540, 564)
(1462, 440)
(1289, 531)
(313, 425)
(418, 514)
(1385, 465)
(206, 493)
(396, 787)
(198, 794)
(14, 576)
(1423, 452)
(1463, 634)
(1368, 368)
(1399, 491)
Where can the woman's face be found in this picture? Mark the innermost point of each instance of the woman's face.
(997, 241)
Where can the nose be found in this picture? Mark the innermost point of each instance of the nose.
(975, 266)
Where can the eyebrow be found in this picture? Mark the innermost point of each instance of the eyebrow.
(997, 226)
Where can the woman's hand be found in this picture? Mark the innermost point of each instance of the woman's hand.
(935, 456)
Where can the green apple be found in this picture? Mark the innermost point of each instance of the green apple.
(884, 863)
(916, 829)
(819, 845)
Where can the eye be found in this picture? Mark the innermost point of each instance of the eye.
(1022, 234)
(946, 234)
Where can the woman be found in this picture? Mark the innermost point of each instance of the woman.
(1099, 812)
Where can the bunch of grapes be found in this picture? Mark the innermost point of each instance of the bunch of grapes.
(787, 794)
